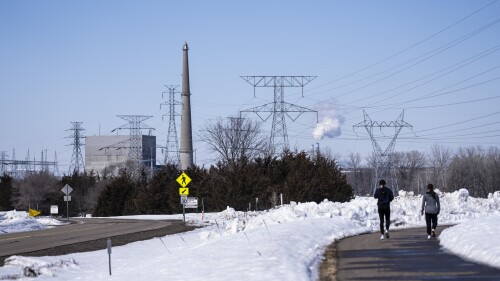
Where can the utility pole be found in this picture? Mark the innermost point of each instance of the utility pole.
(279, 108)
(76, 164)
(172, 147)
(383, 165)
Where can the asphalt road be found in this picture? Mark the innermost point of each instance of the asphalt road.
(407, 255)
(84, 235)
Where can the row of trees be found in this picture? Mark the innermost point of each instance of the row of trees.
(42, 189)
(297, 176)
(474, 168)
(294, 175)
(246, 169)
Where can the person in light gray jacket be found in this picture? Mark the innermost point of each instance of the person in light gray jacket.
(431, 206)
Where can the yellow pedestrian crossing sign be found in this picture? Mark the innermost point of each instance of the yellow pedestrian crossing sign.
(183, 180)
(183, 191)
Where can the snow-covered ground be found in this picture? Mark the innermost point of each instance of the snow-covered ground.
(286, 243)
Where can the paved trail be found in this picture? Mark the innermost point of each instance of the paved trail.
(407, 255)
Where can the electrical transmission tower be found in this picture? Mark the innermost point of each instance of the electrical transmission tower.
(383, 166)
(134, 126)
(76, 164)
(56, 166)
(279, 108)
(172, 147)
(3, 161)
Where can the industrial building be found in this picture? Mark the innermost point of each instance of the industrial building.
(104, 151)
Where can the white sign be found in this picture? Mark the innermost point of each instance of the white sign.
(192, 202)
(67, 198)
(54, 209)
(67, 190)
(184, 199)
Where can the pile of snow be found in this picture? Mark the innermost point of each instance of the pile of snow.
(34, 267)
(471, 240)
(15, 221)
(20, 221)
(286, 243)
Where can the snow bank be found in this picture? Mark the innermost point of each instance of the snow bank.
(286, 243)
(478, 240)
(14, 221)
(20, 221)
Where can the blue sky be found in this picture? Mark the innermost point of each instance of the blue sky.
(88, 61)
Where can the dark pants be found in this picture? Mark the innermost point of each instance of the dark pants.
(431, 218)
(384, 211)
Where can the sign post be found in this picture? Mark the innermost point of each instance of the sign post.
(67, 191)
(108, 246)
(183, 180)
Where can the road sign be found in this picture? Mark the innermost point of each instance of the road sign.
(54, 209)
(183, 191)
(192, 203)
(184, 200)
(67, 198)
(67, 189)
(33, 213)
(183, 179)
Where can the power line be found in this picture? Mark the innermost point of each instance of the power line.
(428, 54)
(409, 47)
(458, 65)
(458, 123)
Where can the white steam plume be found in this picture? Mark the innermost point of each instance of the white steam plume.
(330, 121)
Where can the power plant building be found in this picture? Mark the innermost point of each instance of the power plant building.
(104, 151)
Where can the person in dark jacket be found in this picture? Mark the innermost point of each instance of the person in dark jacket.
(385, 197)
(430, 203)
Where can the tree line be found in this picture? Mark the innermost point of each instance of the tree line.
(247, 169)
(474, 168)
(297, 176)
(294, 175)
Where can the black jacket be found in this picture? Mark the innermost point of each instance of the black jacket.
(384, 196)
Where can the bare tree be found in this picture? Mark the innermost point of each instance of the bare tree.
(493, 168)
(235, 140)
(439, 161)
(36, 189)
(408, 167)
(355, 173)
(467, 170)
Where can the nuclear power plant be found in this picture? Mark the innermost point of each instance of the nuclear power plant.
(136, 148)
(103, 151)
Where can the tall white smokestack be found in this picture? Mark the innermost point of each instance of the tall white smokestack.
(186, 147)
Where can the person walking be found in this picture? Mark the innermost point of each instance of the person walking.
(431, 206)
(385, 197)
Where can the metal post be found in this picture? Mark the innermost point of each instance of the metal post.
(109, 254)
(281, 198)
(184, 213)
(202, 210)
(67, 207)
(256, 202)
